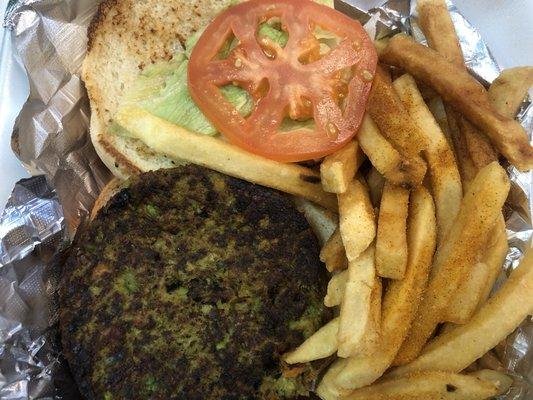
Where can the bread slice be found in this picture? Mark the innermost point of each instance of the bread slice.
(124, 37)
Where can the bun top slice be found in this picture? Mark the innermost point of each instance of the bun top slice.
(125, 36)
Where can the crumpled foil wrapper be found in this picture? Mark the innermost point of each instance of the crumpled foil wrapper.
(50, 137)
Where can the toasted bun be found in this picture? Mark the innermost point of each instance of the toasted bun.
(113, 187)
(124, 37)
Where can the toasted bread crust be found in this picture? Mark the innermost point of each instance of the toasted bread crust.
(109, 190)
(123, 37)
(97, 21)
(120, 161)
(118, 164)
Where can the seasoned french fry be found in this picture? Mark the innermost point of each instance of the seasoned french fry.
(479, 212)
(391, 239)
(427, 93)
(500, 316)
(439, 30)
(436, 106)
(494, 258)
(479, 147)
(333, 253)
(467, 297)
(338, 169)
(386, 159)
(466, 164)
(176, 142)
(464, 303)
(356, 219)
(402, 297)
(429, 385)
(322, 344)
(443, 170)
(336, 287)
(508, 90)
(475, 289)
(375, 182)
(371, 339)
(393, 120)
(437, 25)
(463, 92)
(322, 221)
(502, 381)
(355, 307)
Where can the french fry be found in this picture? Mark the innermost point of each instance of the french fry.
(371, 339)
(427, 93)
(479, 147)
(381, 44)
(443, 170)
(336, 287)
(322, 344)
(338, 169)
(333, 253)
(466, 164)
(464, 303)
(322, 221)
(401, 299)
(327, 388)
(468, 295)
(429, 385)
(502, 381)
(439, 30)
(391, 239)
(166, 138)
(437, 25)
(386, 159)
(499, 317)
(393, 120)
(479, 212)
(375, 182)
(508, 90)
(356, 219)
(355, 307)
(494, 258)
(436, 106)
(490, 361)
(464, 93)
(477, 285)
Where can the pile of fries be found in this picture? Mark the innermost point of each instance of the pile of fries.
(420, 238)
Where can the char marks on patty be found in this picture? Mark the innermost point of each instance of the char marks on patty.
(190, 284)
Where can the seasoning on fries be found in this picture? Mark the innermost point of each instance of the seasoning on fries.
(463, 92)
(479, 211)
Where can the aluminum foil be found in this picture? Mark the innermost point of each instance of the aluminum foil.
(50, 134)
(50, 137)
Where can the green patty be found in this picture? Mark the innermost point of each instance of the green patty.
(190, 285)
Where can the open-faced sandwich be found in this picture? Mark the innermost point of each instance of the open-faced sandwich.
(228, 124)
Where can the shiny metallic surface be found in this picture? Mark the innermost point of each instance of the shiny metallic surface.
(50, 134)
(42, 214)
(32, 232)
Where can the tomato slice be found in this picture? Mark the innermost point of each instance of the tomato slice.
(293, 81)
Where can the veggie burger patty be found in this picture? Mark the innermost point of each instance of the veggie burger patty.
(190, 284)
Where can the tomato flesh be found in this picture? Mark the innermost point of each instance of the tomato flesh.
(295, 81)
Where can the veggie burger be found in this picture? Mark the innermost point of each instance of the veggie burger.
(192, 282)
